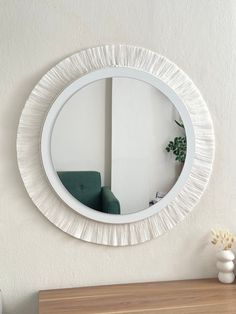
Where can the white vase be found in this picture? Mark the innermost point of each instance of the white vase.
(225, 265)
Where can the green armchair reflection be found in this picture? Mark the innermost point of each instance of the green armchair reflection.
(86, 187)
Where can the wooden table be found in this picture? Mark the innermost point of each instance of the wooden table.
(177, 297)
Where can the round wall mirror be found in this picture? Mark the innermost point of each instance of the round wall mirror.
(115, 145)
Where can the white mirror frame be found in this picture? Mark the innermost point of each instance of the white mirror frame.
(38, 118)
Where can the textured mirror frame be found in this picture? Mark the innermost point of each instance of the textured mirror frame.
(29, 138)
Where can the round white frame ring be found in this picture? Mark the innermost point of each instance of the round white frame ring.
(91, 64)
(50, 120)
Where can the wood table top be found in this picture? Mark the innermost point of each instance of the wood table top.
(203, 296)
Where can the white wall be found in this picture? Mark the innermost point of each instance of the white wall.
(199, 36)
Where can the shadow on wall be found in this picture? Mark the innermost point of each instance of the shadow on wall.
(28, 304)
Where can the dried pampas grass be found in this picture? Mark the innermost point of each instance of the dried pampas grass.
(223, 238)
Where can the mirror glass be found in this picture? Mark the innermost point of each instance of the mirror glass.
(118, 145)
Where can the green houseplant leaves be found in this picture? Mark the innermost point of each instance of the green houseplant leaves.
(178, 146)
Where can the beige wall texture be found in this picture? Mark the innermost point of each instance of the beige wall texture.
(199, 36)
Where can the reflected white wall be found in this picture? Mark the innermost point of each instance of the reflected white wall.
(81, 138)
(142, 125)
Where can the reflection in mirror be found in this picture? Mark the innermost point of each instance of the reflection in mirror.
(118, 145)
